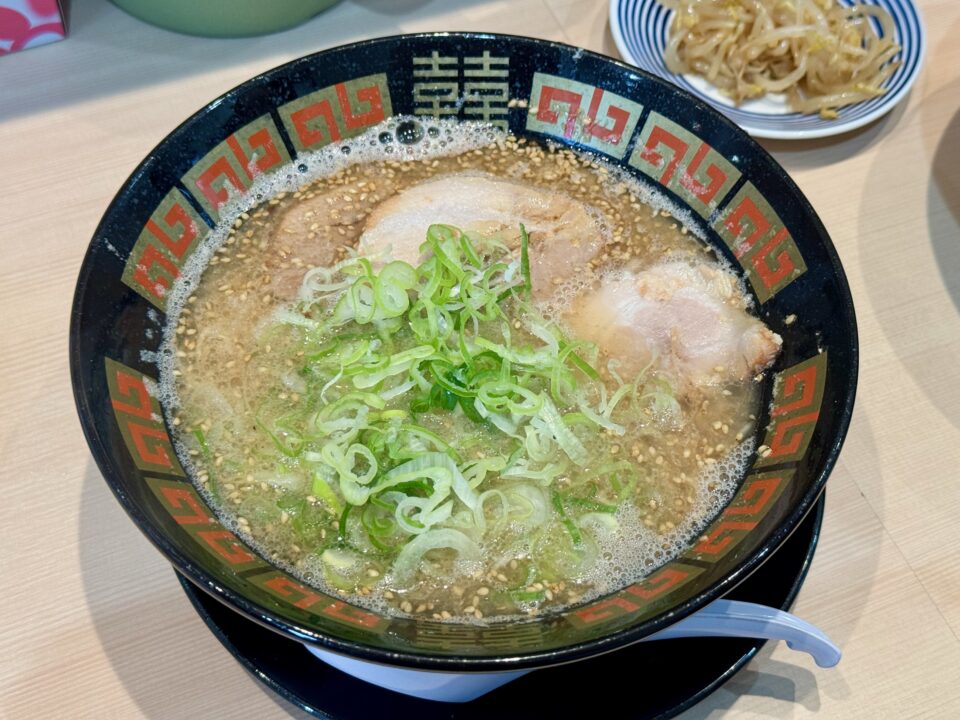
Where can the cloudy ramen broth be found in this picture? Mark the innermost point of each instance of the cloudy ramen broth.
(447, 463)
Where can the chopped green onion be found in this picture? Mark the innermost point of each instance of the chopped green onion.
(568, 442)
(389, 356)
(569, 524)
(582, 365)
(525, 259)
(342, 524)
(400, 274)
(523, 596)
(591, 505)
(322, 490)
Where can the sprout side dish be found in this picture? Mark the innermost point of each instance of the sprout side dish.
(821, 54)
(464, 377)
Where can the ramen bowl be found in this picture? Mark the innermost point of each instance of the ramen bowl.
(732, 191)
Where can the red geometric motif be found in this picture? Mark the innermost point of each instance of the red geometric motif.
(369, 95)
(784, 441)
(748, 508)
(585, 114)
(718, 177)
(183, 498)
(260, 140)
(165, 243)
(153, 450)
(634, 598)
(147, 279)
(756, 235)
(722, 534)
(225, 544)
(760, 491)
(657, 584)
(213, 180)
(605, 609)
(289, 590)
(356, 616)
(806, 379)
(682, 162)
(796, 409)
(619, 116)
(138, 416)
(176, 217)
(310, 133)
(784, 266)
(746, 216)
(660, 136)
(547, 114)
(132, 387)
(230, 168)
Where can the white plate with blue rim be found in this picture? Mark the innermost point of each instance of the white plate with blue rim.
(640, 29)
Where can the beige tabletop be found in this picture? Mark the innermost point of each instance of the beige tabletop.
(92, 621)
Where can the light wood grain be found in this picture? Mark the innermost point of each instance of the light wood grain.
(92, 622)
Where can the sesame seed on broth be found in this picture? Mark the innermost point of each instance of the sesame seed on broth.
(227, 362)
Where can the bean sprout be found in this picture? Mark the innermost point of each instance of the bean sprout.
(820, 54)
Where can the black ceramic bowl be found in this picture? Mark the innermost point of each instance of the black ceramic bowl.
(743, 202)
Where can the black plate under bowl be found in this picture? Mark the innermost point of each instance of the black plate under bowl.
(676, 674)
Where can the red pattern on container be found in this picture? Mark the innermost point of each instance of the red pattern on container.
(29, 23)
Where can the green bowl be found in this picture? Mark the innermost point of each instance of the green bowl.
(224, 18)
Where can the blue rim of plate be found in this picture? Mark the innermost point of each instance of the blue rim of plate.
(640, 29)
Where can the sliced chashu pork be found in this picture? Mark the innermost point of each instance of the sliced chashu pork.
(314, 229)
(689, 317)
(565, 234)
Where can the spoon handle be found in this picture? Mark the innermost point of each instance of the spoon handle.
(733, 618)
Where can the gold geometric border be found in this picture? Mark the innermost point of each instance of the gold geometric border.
(635, 599)
(229, 169)
(336, 112)
(181, 500)
(798, 395)
(759, 241)
(680, 161)
(191, 513)
(751, 504)
(141, 424)
(585, 114)
(166, 242)
(290, 592)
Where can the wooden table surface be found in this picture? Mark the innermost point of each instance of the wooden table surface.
(92, 621)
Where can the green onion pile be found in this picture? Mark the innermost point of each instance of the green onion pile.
(442, 422)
